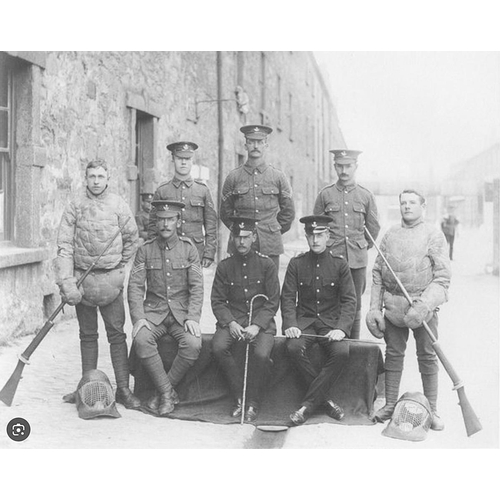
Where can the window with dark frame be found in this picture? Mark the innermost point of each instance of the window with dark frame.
(6, 140)
(278, 102)
(144, 149)
(262, 81)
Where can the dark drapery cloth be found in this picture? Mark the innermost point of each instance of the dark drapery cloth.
(205, 396)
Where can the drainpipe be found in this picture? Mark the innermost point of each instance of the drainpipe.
(220, 178)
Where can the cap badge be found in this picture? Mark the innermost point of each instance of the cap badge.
(185, 147)
(241, 225)
(343, 153)
(256, 129)
(314, 224)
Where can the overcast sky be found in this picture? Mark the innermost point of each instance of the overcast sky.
(415, 111)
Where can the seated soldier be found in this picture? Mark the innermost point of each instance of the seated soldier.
(318, 298)
(239, 279)
(165, 295)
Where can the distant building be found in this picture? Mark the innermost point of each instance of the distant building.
(473, 189)
(470, 183)
(58, 110)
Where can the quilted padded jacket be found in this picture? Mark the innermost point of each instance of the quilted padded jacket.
(87, 225)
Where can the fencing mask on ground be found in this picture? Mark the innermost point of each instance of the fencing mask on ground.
(411, 419)
(95, 397)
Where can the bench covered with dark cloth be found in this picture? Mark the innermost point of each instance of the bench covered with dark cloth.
(205, 397)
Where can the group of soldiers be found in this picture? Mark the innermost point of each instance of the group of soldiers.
(320, 298)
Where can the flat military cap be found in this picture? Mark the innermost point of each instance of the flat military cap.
(183, 149)
(167, 208)
(315, 224)
(241, 224)
(344, 156)
(146, 196)
(256, 131)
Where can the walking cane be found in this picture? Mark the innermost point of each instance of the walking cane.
(472, 424)
(246, 357)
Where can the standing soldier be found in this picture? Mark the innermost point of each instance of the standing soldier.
(165, 295)
(351, 207)
(259, 191)
(142, 216)
(318, 298)
(416, 252)
(238, 279)
(198, 219)
(88, 222)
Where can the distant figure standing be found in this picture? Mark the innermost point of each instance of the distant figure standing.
(449, 226)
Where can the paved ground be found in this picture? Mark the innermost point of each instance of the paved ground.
(469, 326)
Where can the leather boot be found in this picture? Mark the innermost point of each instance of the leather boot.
(70, 398)
(300, 416)
(437, 423)
(153, 402)
(125, 397)
(392, 381)
(175, 397)
(334, 410)
(166, 405)
(251, 413)
(237, 409)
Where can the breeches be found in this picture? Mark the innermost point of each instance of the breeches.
(396, 339)
(146, 341)
(359, 279)
(113, 316)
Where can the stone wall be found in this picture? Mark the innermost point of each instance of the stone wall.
(85, 109)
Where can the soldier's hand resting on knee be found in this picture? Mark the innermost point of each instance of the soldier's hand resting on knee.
(293, 332)
(335, 335)
(192, 327)
(142, 323)
(251, 331)
(236, 330)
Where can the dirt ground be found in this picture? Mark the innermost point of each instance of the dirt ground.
(469, 327)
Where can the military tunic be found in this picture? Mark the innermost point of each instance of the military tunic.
(318, 287)
(166, 280)
(237, 280)
(351, 208)
(166, 288)
(198, 218)
(318, 296)
(262, 193)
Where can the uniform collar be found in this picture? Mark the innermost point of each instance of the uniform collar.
(260, 168)
(177, 182)
(320, 256)
(244, 257)
(349, 187)
(167, 245)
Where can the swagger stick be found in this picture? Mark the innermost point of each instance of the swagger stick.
(9, 389)
(472, 424)
(246, 357)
